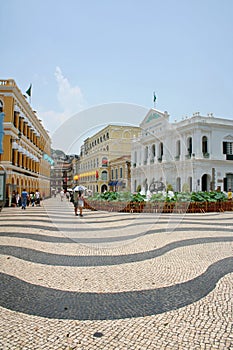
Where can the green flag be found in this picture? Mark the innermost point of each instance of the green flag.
(154, 97)
(29, 90)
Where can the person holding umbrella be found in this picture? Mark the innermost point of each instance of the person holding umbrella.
(78, 200)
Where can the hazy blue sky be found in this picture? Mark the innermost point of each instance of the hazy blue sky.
(78, 54)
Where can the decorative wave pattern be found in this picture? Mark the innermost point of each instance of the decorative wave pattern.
(42, 242)
(102, 260)
(27, 298)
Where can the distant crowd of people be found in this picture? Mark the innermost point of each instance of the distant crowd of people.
(25, 199)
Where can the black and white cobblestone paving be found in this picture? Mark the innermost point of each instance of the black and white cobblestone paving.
(115, 281)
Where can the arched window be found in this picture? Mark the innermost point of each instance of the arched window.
(135, 185)
(205, 182)
(190, 182)
(160, 155)
(153, 151)
(121, 173)
(178, 184)
(189, 146)
(104, 175)
(204, 145)
(145, 154)
(178, 148)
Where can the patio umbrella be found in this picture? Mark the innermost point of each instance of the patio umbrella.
(80, 188)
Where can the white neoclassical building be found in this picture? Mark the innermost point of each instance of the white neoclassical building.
(194, 154)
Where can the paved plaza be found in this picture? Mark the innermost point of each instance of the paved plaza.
(114, 281)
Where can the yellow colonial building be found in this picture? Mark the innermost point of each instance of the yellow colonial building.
(107, 150)
(26, 144)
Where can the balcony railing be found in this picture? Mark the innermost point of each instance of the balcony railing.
(7, 82)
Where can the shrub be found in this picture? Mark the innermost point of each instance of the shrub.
(160, 197)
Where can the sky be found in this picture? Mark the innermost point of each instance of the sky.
(81, 54)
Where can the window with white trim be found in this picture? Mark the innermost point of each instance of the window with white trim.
(227, 147)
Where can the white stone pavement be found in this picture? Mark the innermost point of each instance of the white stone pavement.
(114, 280)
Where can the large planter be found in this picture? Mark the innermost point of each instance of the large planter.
(159, 207)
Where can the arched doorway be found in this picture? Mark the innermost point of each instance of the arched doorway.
(190, 183)
(178, 184)
(205, 182)
(104, 188)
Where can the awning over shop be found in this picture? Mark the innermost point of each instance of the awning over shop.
(89, 173)
(115, 183)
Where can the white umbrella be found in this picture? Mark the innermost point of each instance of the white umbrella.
(80, 188)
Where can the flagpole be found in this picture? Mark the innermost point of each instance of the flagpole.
(29, 93)
(30, 97)
(154, 100)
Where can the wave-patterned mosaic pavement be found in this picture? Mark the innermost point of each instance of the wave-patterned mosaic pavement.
(115, 280)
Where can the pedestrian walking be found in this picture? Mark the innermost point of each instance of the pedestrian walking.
(13, 199)
(62, 194)
(78, 202)
(68, 196)
(24, 198)
(32, 199)
(38, 198)
(18, 199)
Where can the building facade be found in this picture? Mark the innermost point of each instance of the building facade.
(62, 171)
(98, 153)
(195, 154)
(120, 174)
(26, 144)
